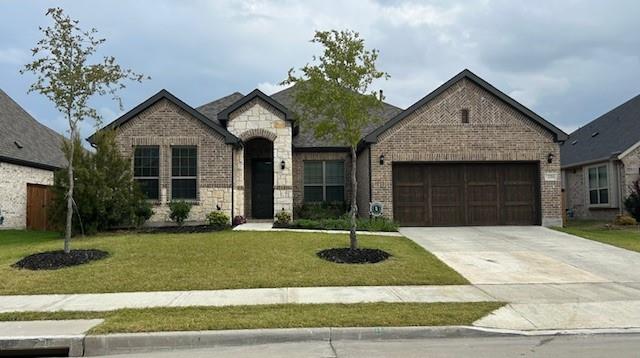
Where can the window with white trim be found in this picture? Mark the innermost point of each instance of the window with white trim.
(184, 173)
(323, 181)
(146, 170)
(598, 185)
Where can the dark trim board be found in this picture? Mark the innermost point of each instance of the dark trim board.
(559, 135)
(223, 116)
(467, 193)
(26, 163)
(321, 149)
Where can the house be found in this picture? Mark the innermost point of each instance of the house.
(600, 162)
(29, 154)
(466, 154)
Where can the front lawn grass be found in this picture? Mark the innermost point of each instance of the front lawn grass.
(274, 316)
(626, 237)
(218, 260)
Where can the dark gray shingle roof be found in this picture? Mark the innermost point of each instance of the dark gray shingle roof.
(212, 108)
(306, 137)
(41, 146)
(606, 136)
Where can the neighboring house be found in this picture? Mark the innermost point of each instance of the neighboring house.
(29, 154)
(466, 154)
(600, 162)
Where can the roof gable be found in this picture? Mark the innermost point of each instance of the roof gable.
(559, 135)
(164, 94)
(223, 116)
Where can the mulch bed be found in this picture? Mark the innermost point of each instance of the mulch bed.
(53, 260)
(185, 229)
(358, 256)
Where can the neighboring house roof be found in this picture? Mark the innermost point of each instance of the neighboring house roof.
(223, 116)
(164, 94)
(25, 141)
(559, 135)
(306, 138)
(605, 137)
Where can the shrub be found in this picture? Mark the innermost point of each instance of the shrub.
(283, 218)
(218, 220)
(323, 210)
(142, 213)
(239, 220)
(632, 202)
(624, 220)
(105, 194)
(179, 211)
(344, 223)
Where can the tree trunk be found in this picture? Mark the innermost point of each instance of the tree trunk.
(353, 240)
(67, 232)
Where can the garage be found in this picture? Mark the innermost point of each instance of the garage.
(456, 194)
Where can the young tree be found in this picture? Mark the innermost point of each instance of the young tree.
(67, 78)
(336, 91)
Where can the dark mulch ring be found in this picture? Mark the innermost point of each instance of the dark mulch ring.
(346, 255)
(53, 260)
(185, 229)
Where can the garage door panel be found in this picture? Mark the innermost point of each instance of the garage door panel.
(466, 194)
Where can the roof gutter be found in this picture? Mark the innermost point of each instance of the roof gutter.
(613, 156)
(27, 163)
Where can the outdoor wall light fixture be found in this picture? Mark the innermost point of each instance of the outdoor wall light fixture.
(282, 165)
(550, 158)
(381, 159)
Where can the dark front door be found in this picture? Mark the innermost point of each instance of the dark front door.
(262, 189)
(466, 194)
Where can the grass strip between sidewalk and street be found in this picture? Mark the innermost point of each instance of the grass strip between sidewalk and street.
(273, 316)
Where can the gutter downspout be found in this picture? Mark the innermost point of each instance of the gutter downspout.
(369, 152)
(233, 176)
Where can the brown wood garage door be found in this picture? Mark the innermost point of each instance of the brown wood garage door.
(466, 194)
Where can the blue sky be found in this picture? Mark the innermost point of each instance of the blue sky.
(569, 61)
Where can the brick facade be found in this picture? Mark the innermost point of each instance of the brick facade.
(165, 125)
(13, 192)
(495, 132)
(622, 174)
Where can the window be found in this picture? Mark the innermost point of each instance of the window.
(184, 171)
(464, 115)
(146, 169)
(323, 181)
(598, 185)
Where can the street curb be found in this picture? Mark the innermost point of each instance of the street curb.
(95, 345)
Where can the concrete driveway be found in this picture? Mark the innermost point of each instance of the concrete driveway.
(552, 280)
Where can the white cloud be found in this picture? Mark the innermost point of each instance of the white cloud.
(271, 88)
(420, 14)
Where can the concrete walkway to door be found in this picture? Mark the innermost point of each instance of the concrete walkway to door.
(551, 279)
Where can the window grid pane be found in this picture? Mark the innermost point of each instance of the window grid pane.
(323, 181)
(334, 172)
(184, 162)
(184, 170)
(312, 172)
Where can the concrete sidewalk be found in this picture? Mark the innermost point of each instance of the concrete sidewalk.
(258, 296)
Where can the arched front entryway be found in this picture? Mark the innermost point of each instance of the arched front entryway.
(258, 178)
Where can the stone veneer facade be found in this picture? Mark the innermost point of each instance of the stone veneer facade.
(165, 125)
(258, 119)
(495, 132)
(13, 192)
